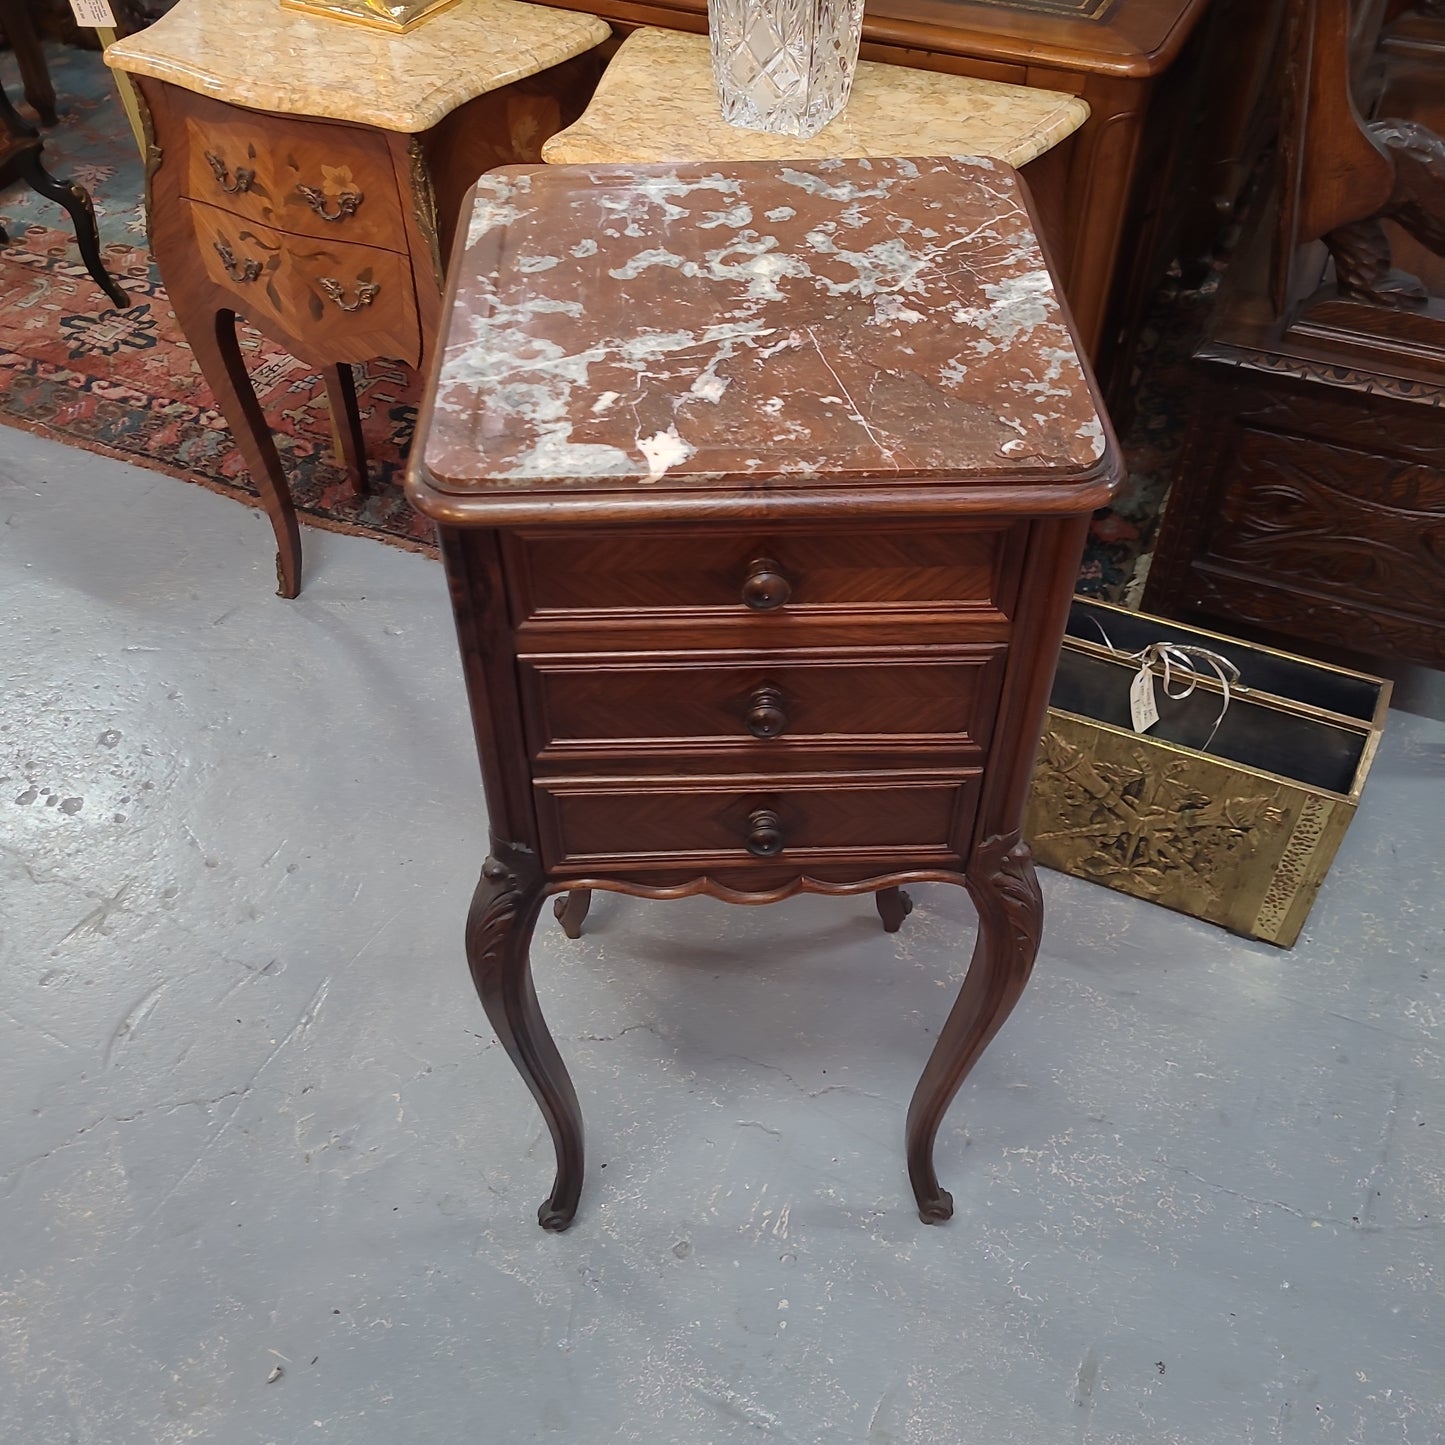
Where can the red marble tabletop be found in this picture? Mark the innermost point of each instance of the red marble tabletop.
(717, 328)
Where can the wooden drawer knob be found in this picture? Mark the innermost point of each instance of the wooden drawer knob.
(765, 834)
(766, 716)
(766, 587)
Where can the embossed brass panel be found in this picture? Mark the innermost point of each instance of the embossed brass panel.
(1241, 835)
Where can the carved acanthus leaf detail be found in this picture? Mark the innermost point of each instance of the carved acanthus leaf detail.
(1361, 249)
(1004, 866)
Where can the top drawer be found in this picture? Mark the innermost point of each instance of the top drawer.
(722, 573)
(334, 182)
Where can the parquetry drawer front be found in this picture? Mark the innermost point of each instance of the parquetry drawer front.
(699, 573)
(779, 707)
(365, 294)
(330, 181)
(736, 820)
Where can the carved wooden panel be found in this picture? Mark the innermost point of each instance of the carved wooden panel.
(1312, 508)
(1365, 526)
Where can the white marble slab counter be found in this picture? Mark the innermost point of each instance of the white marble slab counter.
(657, 103)
(256, 54)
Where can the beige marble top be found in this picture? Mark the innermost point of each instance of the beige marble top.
(254, 53)
(657, 103)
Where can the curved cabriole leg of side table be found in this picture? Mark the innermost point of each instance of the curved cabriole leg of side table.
(1005, 891)
(346, 423)
(76, 200)
(571, 908)
(499, 935)
(212, 337)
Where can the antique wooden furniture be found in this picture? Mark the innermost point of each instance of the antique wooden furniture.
(761, 489)
(21, 147)
(657, 102)
(18, 27)
(309, 180)
(1104, 195)
(1311, 497)
(1230, 808)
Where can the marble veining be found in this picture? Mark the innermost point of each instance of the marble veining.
(257, 54)
(657, 102)
(714, 325)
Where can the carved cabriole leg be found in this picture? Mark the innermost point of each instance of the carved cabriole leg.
(499, 934)
(346, 423)
(571, 908)
(1006, 893)
(894, 905)
(77, 201)
(212, 336)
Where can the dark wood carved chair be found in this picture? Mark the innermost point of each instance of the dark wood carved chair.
(1310, 500)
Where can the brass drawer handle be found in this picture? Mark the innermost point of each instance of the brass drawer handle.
(346, 203)
(243, 178)
(765, 834)
(766, 716)
(766, 589)
(365, 293)
(239, 271)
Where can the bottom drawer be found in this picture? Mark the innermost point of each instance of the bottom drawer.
(622, 823)
(356, 301)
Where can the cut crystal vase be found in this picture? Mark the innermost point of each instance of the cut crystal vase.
(784, 66)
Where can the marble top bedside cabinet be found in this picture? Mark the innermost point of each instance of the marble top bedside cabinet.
(761, 489)
(657, 102)
(306, 174)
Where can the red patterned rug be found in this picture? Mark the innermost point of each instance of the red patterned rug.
(124, 383)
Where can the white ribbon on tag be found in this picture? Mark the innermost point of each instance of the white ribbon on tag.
(1176, 662)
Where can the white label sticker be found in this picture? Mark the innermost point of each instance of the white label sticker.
(1141, 700)
(94, 13)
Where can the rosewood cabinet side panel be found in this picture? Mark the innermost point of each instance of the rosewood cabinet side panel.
(502, 128)
(484, 634)
(1045, 594)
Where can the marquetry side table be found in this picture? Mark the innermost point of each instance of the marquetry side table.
(657, 102)
(761, 489)
(306, 174)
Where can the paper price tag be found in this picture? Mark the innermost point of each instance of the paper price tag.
(94, 14)
(1142, 708)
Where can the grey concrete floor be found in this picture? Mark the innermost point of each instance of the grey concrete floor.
(254, 1120)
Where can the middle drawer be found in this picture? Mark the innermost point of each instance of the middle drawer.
(592, 706)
